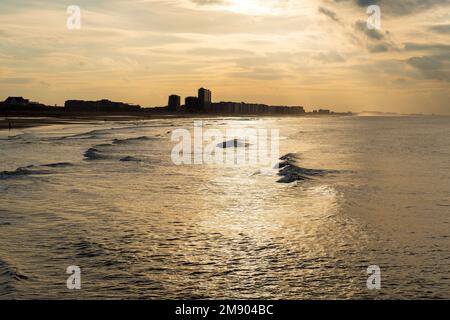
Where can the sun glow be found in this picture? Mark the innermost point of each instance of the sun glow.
(252, 7)
(256, 7)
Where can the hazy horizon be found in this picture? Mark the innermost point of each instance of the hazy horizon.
(314, 53)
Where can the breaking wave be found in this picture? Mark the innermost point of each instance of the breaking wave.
(130, 140)
(131, 159)
(22, 171)
(236, 143)
(94, 154)
(99, 133)
(33, 170)
(291, 172)
(58, 165)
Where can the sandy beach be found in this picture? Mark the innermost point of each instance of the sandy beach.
(29, 122)
(33, 120)
(18, 123)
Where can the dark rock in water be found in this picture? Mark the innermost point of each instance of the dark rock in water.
(233, 144)
(130, 159)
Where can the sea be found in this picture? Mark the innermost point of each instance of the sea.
(107, 198)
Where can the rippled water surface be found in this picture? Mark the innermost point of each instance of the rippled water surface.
(145, 228)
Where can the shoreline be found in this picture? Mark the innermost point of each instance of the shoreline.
(14, 121)
(23, 121)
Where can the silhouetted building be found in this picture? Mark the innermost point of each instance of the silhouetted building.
(16, 101)
(99, 106)
(204, 99)
(174, 103)
(253, 108)
(191, 104)
(203, 103)
(18, 104)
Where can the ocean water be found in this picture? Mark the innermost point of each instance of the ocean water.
(148, 229)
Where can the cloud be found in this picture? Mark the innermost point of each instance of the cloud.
(311, 52)
(431, 67)
(373, 34)
(261, 73)
(329, 13)
(399, 7)
(329, 57)
(434, 47)
(378, 48)
(375, 40)
(440, 28)
(208, 2)
(425, 63)
(16, 81)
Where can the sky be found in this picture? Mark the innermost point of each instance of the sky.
(313, 53)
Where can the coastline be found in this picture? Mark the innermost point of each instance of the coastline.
(31, 120)
(28, 120)
(21, 121)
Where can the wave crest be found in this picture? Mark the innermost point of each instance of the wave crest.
(291, 172)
